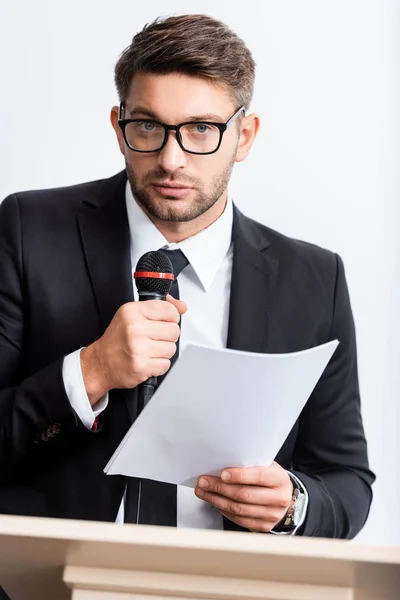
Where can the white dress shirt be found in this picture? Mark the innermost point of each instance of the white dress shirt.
(204, 284)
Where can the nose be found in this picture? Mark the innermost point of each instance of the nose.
(172, 157)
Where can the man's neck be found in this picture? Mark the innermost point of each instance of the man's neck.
(177, 231)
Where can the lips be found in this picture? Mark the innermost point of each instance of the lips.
(171, 185)
(172, 190)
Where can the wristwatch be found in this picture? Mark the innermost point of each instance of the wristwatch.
(296, 511)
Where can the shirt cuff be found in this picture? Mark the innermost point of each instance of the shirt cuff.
(303, 489)
(76, 391)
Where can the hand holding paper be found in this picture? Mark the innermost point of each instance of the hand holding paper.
(256, 498)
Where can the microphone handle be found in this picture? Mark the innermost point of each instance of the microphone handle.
(148, 387)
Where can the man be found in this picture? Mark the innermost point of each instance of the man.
(74, 346)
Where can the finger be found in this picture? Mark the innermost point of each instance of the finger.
(256, 525)
(253, 511)
(161, 349)
(179, 304)
(158, 366)
(163, 331)
(158, 310)
(264, 476)
(248, 494)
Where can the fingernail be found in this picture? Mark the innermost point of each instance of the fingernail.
(203, 483)
(226, 476)
(199, 492)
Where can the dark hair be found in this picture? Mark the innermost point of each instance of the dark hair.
(190, 44)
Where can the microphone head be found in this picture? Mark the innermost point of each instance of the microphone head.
(154, 274)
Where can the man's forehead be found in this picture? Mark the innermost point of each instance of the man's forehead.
(178, 96)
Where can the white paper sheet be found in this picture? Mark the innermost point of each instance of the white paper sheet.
(219, 409)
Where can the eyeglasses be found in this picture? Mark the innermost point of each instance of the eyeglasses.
(195, 137)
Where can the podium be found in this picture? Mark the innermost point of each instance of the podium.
(56, 559)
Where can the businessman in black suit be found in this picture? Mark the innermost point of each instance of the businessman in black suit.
(67, 316)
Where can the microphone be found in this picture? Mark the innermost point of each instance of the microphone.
(154, 277)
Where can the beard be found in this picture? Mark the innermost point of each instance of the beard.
(164, 209)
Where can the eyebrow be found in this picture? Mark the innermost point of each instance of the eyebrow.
(204, 117)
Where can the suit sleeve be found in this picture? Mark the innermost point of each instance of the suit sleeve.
(35, 414)
(331, 451)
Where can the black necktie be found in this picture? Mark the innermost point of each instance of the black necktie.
(157, 500)
(179, 262)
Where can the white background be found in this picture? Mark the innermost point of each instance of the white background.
(324, 168)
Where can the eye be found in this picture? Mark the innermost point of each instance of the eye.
(202, 128)
(146, 125)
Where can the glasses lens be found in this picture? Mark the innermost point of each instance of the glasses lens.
(200, 137)
(144, 135)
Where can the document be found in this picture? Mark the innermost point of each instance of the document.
(219, 408)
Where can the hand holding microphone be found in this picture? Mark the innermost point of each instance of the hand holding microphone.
(140, 340)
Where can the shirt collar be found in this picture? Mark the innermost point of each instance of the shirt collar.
(205, 251)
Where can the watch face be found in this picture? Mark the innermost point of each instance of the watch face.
(299, 509)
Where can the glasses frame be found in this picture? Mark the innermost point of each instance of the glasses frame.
(167, 128)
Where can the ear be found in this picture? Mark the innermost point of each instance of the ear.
(117, 128)
(248, 130)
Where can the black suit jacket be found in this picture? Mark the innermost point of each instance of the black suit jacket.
(65, 270)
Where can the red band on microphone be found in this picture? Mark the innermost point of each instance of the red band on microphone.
(155, 275)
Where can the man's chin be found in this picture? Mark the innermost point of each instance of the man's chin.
(170, 210)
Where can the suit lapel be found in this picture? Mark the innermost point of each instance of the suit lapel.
(254, 275)
(104, 228)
